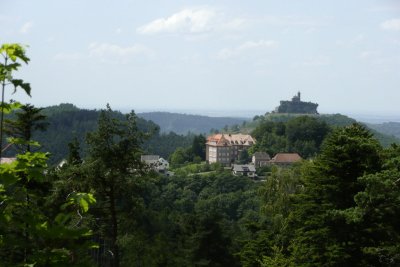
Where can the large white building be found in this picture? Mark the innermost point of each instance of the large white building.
(225, 148)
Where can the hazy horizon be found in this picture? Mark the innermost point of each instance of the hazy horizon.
(245, 114)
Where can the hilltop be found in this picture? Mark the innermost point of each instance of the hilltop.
(380, 132)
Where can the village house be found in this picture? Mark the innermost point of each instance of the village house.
(285, 159)
(225, 148)
(260, 159)
(244, 170)
(155, 162)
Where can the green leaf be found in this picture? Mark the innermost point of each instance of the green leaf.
(8, 108)
(20, 83)
(20, 141)
(14, 52)
(83, 200)
(62, 218)
(8, 173)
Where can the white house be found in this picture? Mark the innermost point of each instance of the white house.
(158, 164)
(244, 170)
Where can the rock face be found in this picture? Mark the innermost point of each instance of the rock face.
(297, 106)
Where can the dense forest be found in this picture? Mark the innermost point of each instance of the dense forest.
(66, 122)
(340, 206)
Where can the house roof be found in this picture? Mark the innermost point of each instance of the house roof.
(243, 168)
(230, 139)
(286, 158)
(261, 155)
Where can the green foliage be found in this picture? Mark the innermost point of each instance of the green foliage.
(67, 122)
(13, 55)
(341, 209)
(29, 233)
(199, 147)
(322, 235)
(27, 120)
(194, 153)
(377, 212)
(192, 220)
(277, 259)
(301, 134)
(74, 157)
(32, 231)
(179, 157)
(110, 170)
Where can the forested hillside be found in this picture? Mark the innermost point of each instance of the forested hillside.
(334, 120)
(184, 123)
(389, 128)
(67, 122)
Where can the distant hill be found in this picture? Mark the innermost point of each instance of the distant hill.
(184, 123)
(383, 132)
(67, 121)
(389, 128)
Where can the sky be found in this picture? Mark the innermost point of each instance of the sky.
(208, 56)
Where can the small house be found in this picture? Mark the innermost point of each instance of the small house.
(260, 159)
(244, 170)
(158, 164)
(285, 159)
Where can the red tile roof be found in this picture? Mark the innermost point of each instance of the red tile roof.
(230, 139)
(286, 158)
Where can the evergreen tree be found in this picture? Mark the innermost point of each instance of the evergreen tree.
(74, 157)
(322, 237)
(199, 146)
(112, 165)
(28, 119)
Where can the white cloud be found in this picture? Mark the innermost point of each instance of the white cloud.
(112, 51)
(26, 27)
(118, 31)
(187, 20)
(227, 53)
(193, 21)
(294, 21)
(391, 25)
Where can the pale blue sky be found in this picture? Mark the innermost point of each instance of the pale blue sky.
(209, 55)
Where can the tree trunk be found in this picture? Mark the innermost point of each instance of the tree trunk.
(114, 229)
